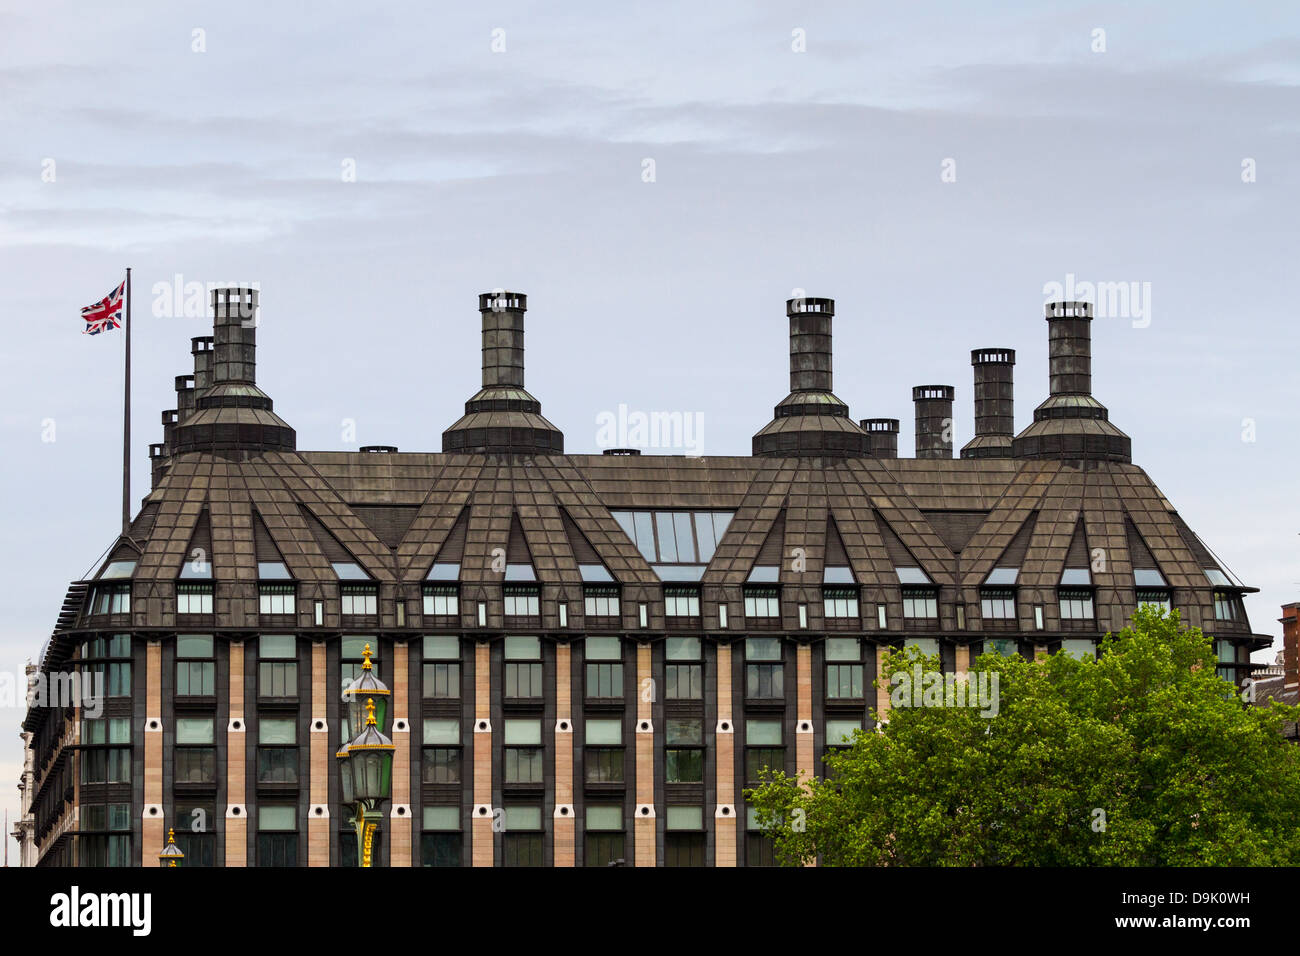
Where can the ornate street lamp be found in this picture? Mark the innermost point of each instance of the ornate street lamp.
(171, 854)
(366, 764)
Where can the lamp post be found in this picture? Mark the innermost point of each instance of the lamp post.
(366, 764)
(171, 854)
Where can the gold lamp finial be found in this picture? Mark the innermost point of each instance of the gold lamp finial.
(171, 836)
(365, 665)
(370, 712)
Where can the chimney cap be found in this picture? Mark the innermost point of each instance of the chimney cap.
(921, 393)
(993, 356)
(170, 415)
(184, 381)
(201, 343)
(621, 451)
(499, 300)
(880, 425)
(379, 449)
(1068, 310)
(807, 304)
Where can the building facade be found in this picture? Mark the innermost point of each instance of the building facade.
(591, 656)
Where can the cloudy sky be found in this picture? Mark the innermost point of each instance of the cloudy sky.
(658, 179)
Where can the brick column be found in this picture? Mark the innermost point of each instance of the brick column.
(643, 825)
(318, 810)
(563, 819)
(803, 725)
(482, 854)
(236, 737)
(882, 692)
(724, 814)
(399, 817)
(962, 662)
(153, 831)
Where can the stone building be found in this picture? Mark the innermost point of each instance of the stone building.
(591, 655)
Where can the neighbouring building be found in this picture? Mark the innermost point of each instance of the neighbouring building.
(591, 655)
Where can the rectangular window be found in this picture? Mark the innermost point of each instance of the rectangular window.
(684, 754)
(521, 600)
(524, 755)
(1227, 607)
(442, 667)
(195, 756)
(839, 731)
(523, 668)
(998, 604)
(194, 599)
(442, 600)
(604, 836)
(276, 598)
(840, 603)
(764, 680)
(604, 751)
(440, 843)
(1075, 605)
(521, 843)
(762, 602)
(683, 674)
(441, 759)
(196, 671)
(111, 599)
(358, 600)
(920, 604)
(682, 601)
(763, 748)
(1085, 649)
(277, 836)
(604, 667)
(1160, 598)
(759, 848)
(684, 838)
(601, 602)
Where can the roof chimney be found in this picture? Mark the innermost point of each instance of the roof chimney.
(502, 418)
(811, 421)
(933, 420)
(201, 348)
(882, 437)
(232, 417)
(184, 397)
(995, 417)
(1071, 423)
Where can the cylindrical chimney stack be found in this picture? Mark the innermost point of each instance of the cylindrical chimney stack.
(810, 343)
(1069, 347)
(882, 436)
(234, 354)
(169, 420)
(995, 417)
(503, 338)
(184, 397)
(201, 348)
(933, 420)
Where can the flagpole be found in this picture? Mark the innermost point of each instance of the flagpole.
(126, 418)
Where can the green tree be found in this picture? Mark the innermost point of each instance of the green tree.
(1143, 757)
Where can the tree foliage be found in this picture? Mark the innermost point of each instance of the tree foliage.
(1143, 757)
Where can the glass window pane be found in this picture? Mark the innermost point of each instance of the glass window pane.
(927, 645)
(604, 817)
(645, 535)
(442, 648)
(682, 649)
(1003, 576)
(624, 519)
(843, 649)
(353, 648)
(1076, 576)
(684, 730)
(523, 732)
(603, 649)
(911, 576)
(441, 731)
(523, 818)
(667, 538)
(762, 649)
(704, 533)
(1077, 647)
(442, 818)
(523, 648)
(604, 732)
(194, 730)
(684, 818)
(277, 730)
(277, 818)
(277, 646)
(194, 645)
(720, 521)
(840, 731)
(763, 732)
(685, 544)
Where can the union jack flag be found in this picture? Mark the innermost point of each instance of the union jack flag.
(104, 314)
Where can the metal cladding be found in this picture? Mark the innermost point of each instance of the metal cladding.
(995, 413)
(810, 422)
(502, 418)
(933, 420)
(1071, 424)
(882, 436)
(232, 417)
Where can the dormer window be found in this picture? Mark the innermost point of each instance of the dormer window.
(762, 602)
(1076, 604)
(111, 599)
(194, 599)
(273, 571)
(349, 571)
(117, 569)
(197, 570)
(358, 600)
(1228, 607)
